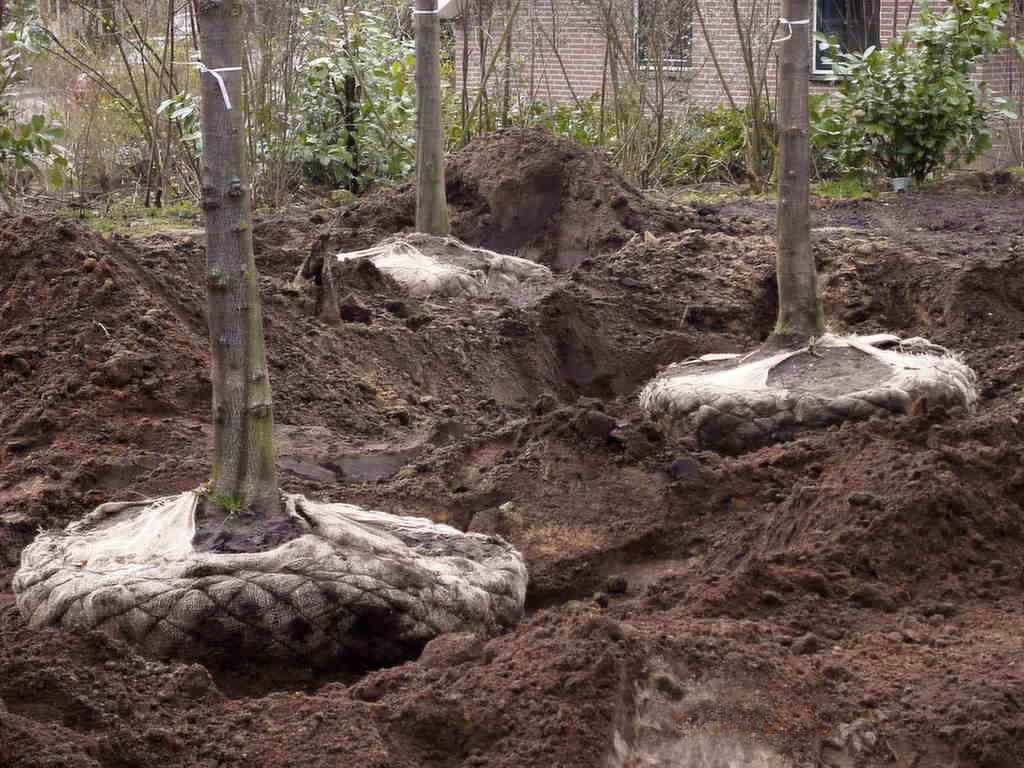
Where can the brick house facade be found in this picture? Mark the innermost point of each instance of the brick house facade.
(560, 49)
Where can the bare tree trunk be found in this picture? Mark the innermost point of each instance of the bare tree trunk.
(351, 107)
(604, 96)
(800, 310)
(464, 106)
(243, 463)
(431, 204)
(506, 95)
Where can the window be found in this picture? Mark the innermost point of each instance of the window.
(664, 33)
(854, 23)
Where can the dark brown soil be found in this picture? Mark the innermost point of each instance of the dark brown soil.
(852, 598)
(241, 530)
(522, 192)
(829, 372)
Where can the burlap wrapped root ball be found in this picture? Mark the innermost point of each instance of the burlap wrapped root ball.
(360, 586)
(737, 403)
(443, 266)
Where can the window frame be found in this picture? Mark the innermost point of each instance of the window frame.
(827, 74)
(669, 66)
(830, 74)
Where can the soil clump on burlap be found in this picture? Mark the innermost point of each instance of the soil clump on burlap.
(852, 597)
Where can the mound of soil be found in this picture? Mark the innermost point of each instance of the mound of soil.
(525, 193)
(851, 598)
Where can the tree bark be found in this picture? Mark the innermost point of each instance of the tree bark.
(351, 106)
(464, 117)
(243, 463)
(800, 312)
(431, 204)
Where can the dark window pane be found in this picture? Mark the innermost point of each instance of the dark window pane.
(665, 28)
(854, 23)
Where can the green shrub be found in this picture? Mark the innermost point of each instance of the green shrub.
(851, 186)
(715, 146)
(912, 107)
(580, 123)
(25, 144)
(183, 111)
(694, 146)
(383, 64)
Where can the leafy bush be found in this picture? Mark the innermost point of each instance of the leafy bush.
(24, 144)
(705, 145)
(383, 63)
(693, 146)
(183, 110)
(580, 123)
(852, 186)
(714, 149)
(912, 107)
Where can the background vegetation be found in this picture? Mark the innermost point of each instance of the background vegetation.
(99, 107)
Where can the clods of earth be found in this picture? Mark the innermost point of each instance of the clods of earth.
(850, 598)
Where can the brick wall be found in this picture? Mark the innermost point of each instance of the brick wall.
(559, 50)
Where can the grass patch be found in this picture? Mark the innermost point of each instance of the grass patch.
(852, 187)
(128, 217)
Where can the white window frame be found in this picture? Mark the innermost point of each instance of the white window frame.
(814, 45)
(669, 66)
(827, 73)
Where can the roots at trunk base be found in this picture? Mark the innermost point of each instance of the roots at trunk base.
(218, 529)
(359, 587)
(737, 403)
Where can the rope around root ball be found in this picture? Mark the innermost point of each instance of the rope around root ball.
(732, 404)
(359, 585)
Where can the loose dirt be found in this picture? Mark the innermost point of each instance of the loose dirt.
(525, 193)
(851, 598)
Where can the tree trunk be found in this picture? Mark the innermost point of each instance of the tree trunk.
(464, 117)
(431, 204)
(243, 463)
(800, 310)
(506, 96)
(351, 106)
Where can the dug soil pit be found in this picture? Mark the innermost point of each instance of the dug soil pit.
(852, 597)
(524, 193)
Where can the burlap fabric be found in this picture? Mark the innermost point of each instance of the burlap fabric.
(730, 402)
(363, 585)
(442, 266)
